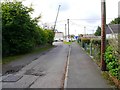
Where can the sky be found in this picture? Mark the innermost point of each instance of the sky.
(84, 15)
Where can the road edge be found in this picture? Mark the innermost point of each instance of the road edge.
(67, 68)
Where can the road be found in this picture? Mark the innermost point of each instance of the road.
(45, 72)
(52, 70)
(83, 72)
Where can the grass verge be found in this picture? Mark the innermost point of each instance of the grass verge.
(9, 59)
(67, 42)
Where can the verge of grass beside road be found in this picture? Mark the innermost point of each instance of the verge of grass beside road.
(67, 42)
(9, 59)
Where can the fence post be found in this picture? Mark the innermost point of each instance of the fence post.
(90, 49)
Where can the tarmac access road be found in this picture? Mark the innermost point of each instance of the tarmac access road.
(65, 66)
(82, 71)
(45, 72)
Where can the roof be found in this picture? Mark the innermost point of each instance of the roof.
(58, 32)
(114, 27)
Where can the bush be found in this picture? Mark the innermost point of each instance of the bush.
(50, 36)
(85, 41)
(17, 28)
(21, 33)
(111, 61)
(96, 41)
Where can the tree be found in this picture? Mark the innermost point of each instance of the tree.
(115, 21)
(72, 36)
(98, 31)
(18, 28)
(50, 36)
(21, 33)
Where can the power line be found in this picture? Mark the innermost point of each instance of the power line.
(80, 25)
(90, 19)
(77, 20)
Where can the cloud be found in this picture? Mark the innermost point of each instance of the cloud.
(64, 5)
(74, 9)
(93, 18)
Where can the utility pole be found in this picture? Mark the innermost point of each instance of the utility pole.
(56, 18)
(68, 29)
(85, 31)
(65, 32)
(103, 34)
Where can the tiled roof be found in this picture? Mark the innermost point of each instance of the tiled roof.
(115, 28)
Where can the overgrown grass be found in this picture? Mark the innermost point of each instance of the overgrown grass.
(106, 76)
(67, 42)
(9, 59)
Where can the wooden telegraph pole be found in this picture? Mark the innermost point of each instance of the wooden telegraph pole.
(56, 18)
(65, 32)
(68, 29)
(103, 34)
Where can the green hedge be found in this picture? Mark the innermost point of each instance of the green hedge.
(112, 62)
(96, 41)
(84, 42)
(21, 33)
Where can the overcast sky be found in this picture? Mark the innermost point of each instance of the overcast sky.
(82, 13)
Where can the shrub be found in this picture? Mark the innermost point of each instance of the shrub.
(111, 61)
(21, 33)
(96, 41)
(85, 40)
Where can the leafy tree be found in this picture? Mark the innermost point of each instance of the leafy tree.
(18, 29)
(115, 21)
(98, 31)
(72, 36)
(50, 36)
(20, 32)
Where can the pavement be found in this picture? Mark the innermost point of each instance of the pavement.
(83, 72)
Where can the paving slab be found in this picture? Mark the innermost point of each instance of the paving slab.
(5, 76)
(12, 78)
(24, 82)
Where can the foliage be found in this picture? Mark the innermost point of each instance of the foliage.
(21, 33)
(17, 28)
(72, 36)
(96, 41)
(115, 21)
(98, 31)
(50, 36)
(67, 42)
(111, 61)
(85, 40)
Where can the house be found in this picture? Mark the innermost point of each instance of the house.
(112, 31)
(58, 36)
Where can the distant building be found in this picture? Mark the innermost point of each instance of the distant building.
(112, 31)
(59, 36)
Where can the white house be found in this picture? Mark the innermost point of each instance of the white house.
(58, 36)
(112, 31)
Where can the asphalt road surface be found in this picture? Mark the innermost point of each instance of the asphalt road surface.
(51, 70)
(45, 72)
(83, 72)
